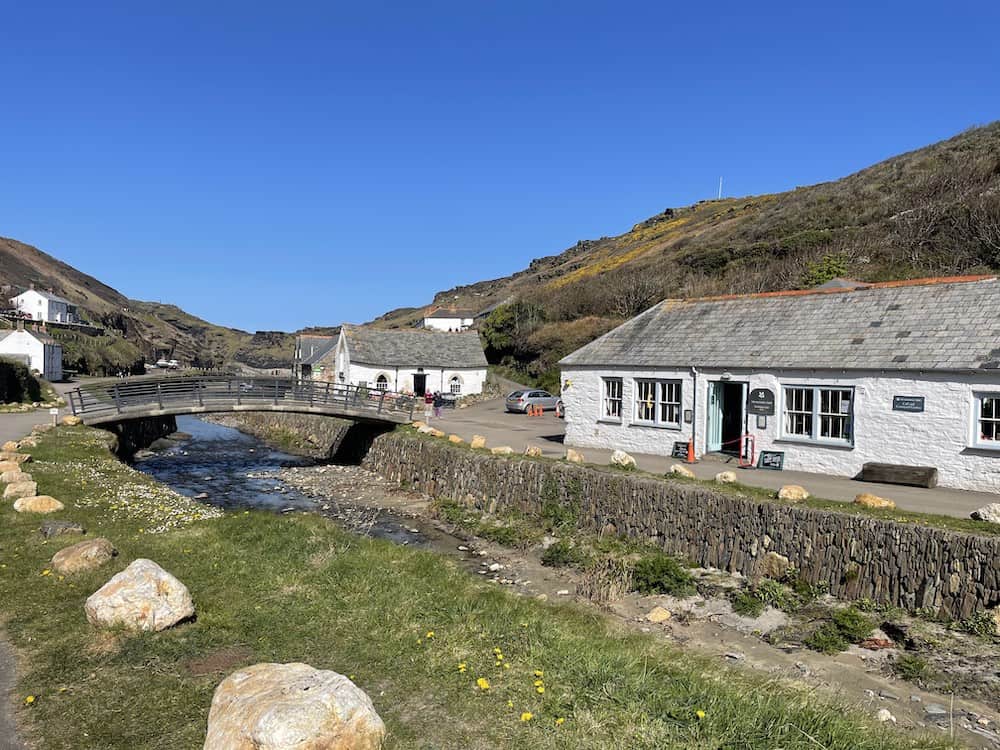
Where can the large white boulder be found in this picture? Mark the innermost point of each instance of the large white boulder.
(142, 597)
(291, 707)
(682, 471)
(989, 513)
(622, 459)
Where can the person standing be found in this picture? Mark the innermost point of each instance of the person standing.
(428, 405)
(438, 403)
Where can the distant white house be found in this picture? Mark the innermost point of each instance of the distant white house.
(451, 319)
(404, 361)
(45, 307)
(39, 351)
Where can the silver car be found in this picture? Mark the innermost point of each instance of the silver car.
(519, 401)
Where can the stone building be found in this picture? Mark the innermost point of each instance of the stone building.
(405, 361)
(824, 380)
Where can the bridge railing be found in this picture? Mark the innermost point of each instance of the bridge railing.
(108, 399)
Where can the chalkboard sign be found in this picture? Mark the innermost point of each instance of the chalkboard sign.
(680, 451)
(774, 460)
(761, 401)
(913, 404)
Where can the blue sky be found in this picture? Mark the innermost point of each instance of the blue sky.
(270, 166)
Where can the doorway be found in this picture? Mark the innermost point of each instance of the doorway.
(726, 416)
(420, 383)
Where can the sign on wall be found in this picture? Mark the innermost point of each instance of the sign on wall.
(913, 404)
(774, 460)
(761, 401)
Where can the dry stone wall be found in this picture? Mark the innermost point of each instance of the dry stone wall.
(855, 556)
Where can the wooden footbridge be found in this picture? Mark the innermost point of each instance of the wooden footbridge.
(122, 400)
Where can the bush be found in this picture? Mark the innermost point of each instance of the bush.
(981, 624)
(658, 573)
(827, 639)
(768, 592)
(564, 554)
(854, 625)
(911, 667)
(17, 384)
(748, 605)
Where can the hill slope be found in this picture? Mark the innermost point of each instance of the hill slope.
(146, 329)
(930, 212)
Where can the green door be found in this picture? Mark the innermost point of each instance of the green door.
(713, 435)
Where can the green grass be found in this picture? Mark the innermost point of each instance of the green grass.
(297, 588)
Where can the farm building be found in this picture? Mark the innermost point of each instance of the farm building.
(405, 361)
(826, 380)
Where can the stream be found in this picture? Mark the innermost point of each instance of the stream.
(224, 467)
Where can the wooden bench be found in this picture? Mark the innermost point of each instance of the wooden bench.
(916, 476)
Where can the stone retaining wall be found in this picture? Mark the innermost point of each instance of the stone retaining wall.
(855, 556)
(308, 435)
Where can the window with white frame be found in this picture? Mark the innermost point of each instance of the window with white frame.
(455, 384)
(988, 418)
(612, 408)
(382, 383)
(821, 414)
(658, 402)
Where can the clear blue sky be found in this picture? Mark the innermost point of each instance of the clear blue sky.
(270, 166)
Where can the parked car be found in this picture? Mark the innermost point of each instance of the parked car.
(519, 401)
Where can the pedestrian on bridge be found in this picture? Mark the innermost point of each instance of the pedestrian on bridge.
(428, 405)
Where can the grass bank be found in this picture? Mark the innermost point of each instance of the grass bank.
(411, 628)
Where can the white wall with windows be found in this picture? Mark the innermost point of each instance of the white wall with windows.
(827, 422)
(459, 381)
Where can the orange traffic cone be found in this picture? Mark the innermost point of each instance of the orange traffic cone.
(690, 458)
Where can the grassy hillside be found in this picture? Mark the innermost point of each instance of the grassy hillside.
(931, 212)
(136, 330)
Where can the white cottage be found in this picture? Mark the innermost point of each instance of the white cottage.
(405, 361)
(45, 307)
(39, 351)
(451, 319)
(904, 373)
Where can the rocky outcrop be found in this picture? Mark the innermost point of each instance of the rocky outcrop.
(142, 597)
(868, 500)
(87, 555)
(623, 460)
(37, 504)
(19, 490)
(793, 493)
(291, 707)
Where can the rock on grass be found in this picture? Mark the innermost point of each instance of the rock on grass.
(142, 597)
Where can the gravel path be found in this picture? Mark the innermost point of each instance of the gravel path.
(8, 733)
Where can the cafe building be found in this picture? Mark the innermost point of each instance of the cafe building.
(827, 380)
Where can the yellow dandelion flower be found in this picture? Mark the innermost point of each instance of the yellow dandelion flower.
(483, 684)
(506, 665)
(46, 572)
(29, 700)
(540, 689)
(461, 667)
(539, 683)
(539, 673)
(510, 704)
(350, 677)
(527, 716)
(430, 634)
(700, 714)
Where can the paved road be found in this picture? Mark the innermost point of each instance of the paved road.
(517, 430)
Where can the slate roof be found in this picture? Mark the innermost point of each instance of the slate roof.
(450, 312)
(43, 337)
(413, 348)
(314, 348)
(926, 324)
(49, 296)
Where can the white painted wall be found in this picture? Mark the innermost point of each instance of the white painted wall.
(448, 324)
(45, 358)
(438, 379)
(941, 436)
